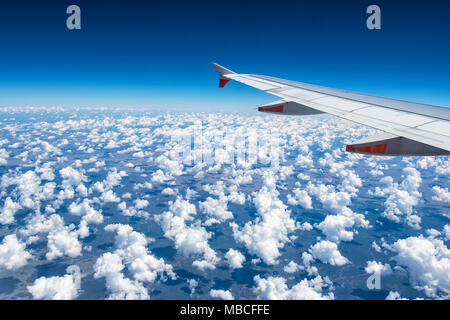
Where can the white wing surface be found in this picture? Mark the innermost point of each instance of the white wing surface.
(409, 129)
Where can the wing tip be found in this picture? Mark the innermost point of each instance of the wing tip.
(222, 71)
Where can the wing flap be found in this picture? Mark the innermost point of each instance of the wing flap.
(288, 108)
(385, 144)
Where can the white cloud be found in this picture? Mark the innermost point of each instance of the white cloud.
(132, 211)
(301, 197)
(327, 252)
(221, 294)
(447, 232)
(307, 259)
(401, 198)
(3, 157)
(335, 226)
(63, 241)
(110, 266)
(113, 179)
(225, 193)
(378, 268)
(330, 199)
(12, 253)
(234, 258)
(141, 203)
(394, 295)
(72, 176)
(46, 172)
(132, 247)
(190, 240)
(268, 233)
(216, 209)
(275, 288)
(192, 283)
(109, 196)
(66, 287)
(160, 177)
(292, 267)
(29, 188)
(428, 264)
(89, 215)
(173, 167)
(85, 210)
(441, 194)
(168, 191)
(304, 161)
(9, 209)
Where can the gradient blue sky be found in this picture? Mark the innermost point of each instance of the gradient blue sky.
(157, 53)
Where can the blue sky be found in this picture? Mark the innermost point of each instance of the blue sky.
(157, 54)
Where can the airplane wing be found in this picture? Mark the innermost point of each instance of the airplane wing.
(408, 129)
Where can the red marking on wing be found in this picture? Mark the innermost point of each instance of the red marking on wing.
(272, 109)
(375, 149)
(223, 82)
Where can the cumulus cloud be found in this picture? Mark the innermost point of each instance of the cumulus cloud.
(292, 267)
(441, 194)
(301, 197)
(401, 198)
(394, 295)
(66, 287)
(132, 247)
(447, 232)
(268, 233)
(12, 253)
(89, 215)
(428, 264)
(160, 176)
(190, 238)
(378, 268)
(110, 266)
(29, 188)
(46, 172)
(216, 209)
(327, 252)
(9, 209)
(330, 199)
(275, 288)
(226, 193)
(72, 176)
(335, 227)
(234, 258)
(132, 211)
(109, 196)
(61, 239)
(168, 191)
(192, 283)
(141, 203)
(131, 252)
(3, 157)
(307, 259)
(304, 161)
(221, 294)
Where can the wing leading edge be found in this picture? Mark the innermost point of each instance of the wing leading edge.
(409, 129)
